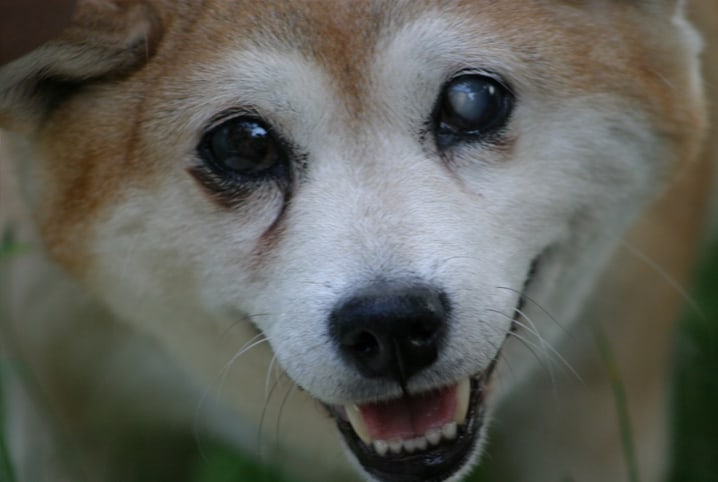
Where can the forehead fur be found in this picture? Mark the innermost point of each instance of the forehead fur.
(97, 142)
(568, 46)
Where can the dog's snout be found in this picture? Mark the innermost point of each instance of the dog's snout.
(390, 332)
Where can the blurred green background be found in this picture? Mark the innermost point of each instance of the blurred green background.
(695, 393)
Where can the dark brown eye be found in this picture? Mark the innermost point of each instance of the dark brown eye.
(244, 149)
(471, 108)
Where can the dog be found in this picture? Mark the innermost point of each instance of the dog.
(343, 236)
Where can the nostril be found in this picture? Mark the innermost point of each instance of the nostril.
(422, 333)
(362, 343)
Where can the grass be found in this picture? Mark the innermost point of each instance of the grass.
(224, 465)
(695, 394)
(620, 401)
(695, 400)
(6, 470)
(9, 246)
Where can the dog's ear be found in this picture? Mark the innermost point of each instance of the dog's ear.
(105, 39)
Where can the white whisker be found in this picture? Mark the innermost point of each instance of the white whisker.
(286, 398)
(536, 304)
(268, 376)
(672, 282)
(260, 428)
(532, 347)
(256, 340)
(252, 343)
(543, 345)
(531, 328)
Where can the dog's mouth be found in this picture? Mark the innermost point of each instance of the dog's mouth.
(426, 436)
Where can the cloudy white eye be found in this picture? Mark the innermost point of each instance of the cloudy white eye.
(471, 107)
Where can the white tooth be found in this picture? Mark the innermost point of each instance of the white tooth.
(449, 431)
(463, 395)
(421, 443)
(395, 446)
(381, 447)
(357, 421)
(410, 445)
(433, 436)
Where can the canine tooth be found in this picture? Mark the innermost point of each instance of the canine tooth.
(433, 436)
(463, 396)
(449, 431)
(381, 447)
(357, 421)
(395, 446)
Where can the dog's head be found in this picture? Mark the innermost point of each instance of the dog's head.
(377, 187)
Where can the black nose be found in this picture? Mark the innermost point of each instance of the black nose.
(391, 332)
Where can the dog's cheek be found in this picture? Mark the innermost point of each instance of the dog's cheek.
(78, 175)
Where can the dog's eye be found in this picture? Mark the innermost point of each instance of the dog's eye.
(471, 107)
(243, 148)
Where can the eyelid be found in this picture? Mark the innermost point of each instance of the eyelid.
(234, 113)
(501, 80)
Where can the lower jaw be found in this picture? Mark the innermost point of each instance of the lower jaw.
(436, 464)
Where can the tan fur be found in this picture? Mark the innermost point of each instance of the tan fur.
(83, 191)
(114, 143)
(644, 282)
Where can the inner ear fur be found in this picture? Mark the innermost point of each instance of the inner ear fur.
(105, 39)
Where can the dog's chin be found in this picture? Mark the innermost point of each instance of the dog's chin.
(430, 436)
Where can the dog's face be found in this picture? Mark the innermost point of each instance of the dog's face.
(377, 187)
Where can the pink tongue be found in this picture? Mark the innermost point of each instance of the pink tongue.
(410, 417)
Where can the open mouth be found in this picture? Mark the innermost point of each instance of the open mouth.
(426, 436)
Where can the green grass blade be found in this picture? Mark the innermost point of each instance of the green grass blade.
(620, 400)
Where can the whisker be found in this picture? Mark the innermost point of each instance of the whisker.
(268, 376)
(243, 320)
(219, 383)
(544, 346)
(253, 342)
(532, 347)
(536, 304)
(531, 328)
(670, 280)
(505, 360)
(287, 396)
(260, 428)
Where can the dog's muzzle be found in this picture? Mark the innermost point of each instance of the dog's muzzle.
(392, 333)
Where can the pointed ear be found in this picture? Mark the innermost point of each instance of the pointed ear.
(105, 39)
